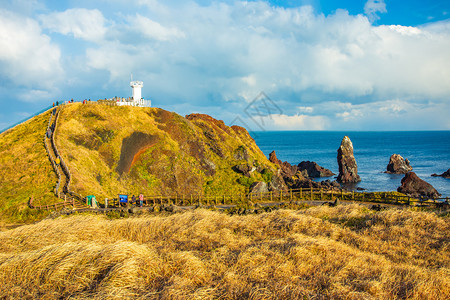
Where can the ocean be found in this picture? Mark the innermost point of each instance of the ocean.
(427, 151)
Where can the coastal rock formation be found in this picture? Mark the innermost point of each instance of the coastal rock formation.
(415, 187)
(398, 165)
(312, 169)
(348, 170)
(446, 174)
(277, 183)
(259, 187)
(287, 170)
(244, 169)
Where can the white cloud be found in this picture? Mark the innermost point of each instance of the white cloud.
(373, 7)
(154, 30)
(297, 122)
(27, 57)
(221, 55)
(81, 23)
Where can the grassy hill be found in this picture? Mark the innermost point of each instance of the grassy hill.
(344, 252)
(111, 150)
(25, 170)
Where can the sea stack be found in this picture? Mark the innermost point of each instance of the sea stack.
(446, 174)
(348, 170)
(415, 187)
(398, 165)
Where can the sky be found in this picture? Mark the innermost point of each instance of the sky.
(266, 65)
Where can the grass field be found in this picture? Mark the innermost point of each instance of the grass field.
(344, 252)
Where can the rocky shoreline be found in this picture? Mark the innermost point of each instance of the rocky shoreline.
(303, 174)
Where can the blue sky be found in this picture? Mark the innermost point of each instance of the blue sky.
(324, 65)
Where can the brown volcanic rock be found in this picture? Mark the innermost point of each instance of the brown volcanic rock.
(277, 183)
(446, 174)
(312, 169)
(287, 170)
(398, 165)
(414, 186)
(348, 170)
(259, 187)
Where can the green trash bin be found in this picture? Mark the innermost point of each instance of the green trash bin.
(89, 199)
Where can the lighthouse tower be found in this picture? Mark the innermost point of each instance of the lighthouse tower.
(136, 86)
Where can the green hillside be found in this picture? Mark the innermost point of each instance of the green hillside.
(112, 149)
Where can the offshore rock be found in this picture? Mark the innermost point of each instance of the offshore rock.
(446, 174)
(312, 169)
(413, 186)
(348, 170)
(287, 170)
(398, 165)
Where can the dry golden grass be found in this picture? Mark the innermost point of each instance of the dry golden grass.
(25, 171)
(345, 252)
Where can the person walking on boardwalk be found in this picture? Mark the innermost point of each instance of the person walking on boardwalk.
(57, 160)
(141, 200)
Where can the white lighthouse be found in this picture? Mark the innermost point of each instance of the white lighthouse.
(136, 86)
(136, 99)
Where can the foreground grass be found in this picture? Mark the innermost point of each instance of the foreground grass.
(345, 252)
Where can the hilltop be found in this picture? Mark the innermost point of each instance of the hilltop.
(122, 149)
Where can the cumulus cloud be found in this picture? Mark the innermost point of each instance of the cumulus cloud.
(81, 23)
(324, 71)
(28, 58)
(373, 7)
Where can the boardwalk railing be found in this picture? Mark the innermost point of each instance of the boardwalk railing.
(302, 194)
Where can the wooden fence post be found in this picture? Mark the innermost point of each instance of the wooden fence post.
(281, 196)
(311, 190)
(190, 202)
(353, 195)
(290, 195)
(301, 193)
(321, 194)
(271, 196)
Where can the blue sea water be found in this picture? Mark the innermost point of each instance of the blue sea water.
(428, 152)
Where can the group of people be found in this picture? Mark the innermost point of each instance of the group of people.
(134, 200)
(70, 101)
(124, 200)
